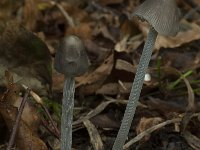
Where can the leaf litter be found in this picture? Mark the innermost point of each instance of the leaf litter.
(169, 104)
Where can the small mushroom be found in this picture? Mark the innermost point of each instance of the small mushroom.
(163, 17)
(70, 60)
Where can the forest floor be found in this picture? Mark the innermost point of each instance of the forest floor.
(167, 116)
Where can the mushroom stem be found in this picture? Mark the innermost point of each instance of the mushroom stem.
(136, 90)
(67, 113)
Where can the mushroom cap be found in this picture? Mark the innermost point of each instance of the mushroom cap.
(71, 58)
(162, 15)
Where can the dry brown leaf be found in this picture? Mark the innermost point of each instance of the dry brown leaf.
(192, 140)
(74, 11)
(26, 139)
(30, 14)
(128, 27)
(164, 106)
(121, 45)
(191, 33)
(98, 110)
(7, 8)
(197, 1)
(146, 123)
(11, 97)
(103, 30)
(105, 120)
(115, 88)
(94, 112)
(96, 53)
(95, 138)
(98, 75)
(124, 65)
(149, 131)
(83, 30)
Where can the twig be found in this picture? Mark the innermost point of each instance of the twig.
(66, 15)
(15, 127)
(45, 123)
(150, 130)
(39, 100)
(57, 134)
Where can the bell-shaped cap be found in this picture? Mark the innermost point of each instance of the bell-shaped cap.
(162, 15)
(71, 58)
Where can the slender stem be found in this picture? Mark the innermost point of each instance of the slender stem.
(135, 91)
(67, 113)
(16, 124)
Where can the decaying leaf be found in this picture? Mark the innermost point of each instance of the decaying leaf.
(115, 88)
(190, 32)
(192, 140)
(82, 30)
(94, 136)
(105, 120)
(98, 75)
(26, 56)
(146, 123)
(26, 139)
(12, 97)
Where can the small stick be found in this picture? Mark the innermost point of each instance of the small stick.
(16, 125)
(66, 15)
(150, 130)
(39, 100)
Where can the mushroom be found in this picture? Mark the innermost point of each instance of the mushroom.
(70, 60)
(163, 17)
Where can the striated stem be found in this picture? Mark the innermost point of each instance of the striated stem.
(67, 113)
(135, 91)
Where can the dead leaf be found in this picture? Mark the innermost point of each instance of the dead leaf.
(30, 14)
(105, 121)
(95, 138)
(98, 110)
(146, 123)
(26, 56)
(26, 139)
(115, 88)
(11, 97)
(103, 30)
(192, 140)
(150, 130)
(83, 30)
(125, 65)
(190, 33)
(98, 75)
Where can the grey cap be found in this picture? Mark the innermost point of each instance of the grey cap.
(71, 58)
(163, 15)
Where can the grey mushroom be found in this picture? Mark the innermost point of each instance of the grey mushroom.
(70, 60)
(163, 16)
